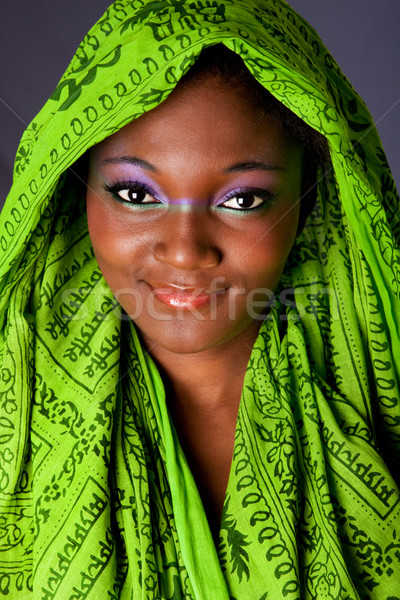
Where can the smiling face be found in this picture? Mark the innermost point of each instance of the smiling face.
(192, 211)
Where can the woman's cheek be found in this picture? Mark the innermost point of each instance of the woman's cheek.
(108, 239)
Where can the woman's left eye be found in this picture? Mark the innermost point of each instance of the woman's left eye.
(247, 200)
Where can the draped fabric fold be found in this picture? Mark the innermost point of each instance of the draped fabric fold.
(96, 497)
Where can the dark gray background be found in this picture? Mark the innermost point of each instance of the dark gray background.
(39, 37)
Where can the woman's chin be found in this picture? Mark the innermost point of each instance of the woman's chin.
(181, 338)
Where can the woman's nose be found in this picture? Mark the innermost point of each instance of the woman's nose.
(185, 241)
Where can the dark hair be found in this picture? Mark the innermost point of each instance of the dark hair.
(225, 65)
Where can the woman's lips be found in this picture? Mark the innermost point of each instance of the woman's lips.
(183, 297)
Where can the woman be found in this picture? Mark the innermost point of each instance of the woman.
(183, 357)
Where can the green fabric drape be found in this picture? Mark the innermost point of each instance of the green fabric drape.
(96, 497)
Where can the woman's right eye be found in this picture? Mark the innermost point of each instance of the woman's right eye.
(137, 194)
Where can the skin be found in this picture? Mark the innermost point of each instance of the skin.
(205, 141)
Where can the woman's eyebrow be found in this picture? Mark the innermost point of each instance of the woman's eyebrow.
(253, 166)
(240, 166)
(132, 160)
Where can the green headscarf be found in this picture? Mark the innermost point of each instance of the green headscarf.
(96, 497)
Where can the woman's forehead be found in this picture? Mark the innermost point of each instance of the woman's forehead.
(204, 115)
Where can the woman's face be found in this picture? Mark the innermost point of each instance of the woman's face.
(192, 211)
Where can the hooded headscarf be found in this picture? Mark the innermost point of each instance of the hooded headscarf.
(96, 497)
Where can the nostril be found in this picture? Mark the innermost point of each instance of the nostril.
(185, 254)
(211, 259)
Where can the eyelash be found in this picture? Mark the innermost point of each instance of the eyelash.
(132, 186)
(265, 196)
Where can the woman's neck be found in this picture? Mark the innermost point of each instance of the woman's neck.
(203, 392)
(206, 379)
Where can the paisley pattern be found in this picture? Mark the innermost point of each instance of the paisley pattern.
(96, 497)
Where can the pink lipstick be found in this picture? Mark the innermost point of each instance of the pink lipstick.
(184, 297)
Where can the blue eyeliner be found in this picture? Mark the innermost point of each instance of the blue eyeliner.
(141, 188)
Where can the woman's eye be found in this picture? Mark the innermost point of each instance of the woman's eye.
(135, 196)
(246, 201)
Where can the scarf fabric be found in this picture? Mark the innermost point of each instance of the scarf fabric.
(96, 497)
